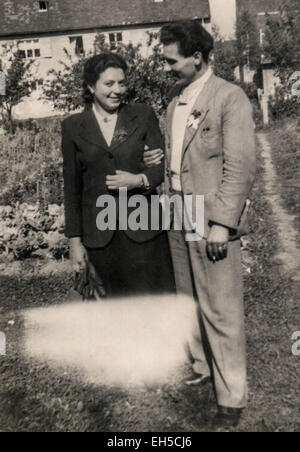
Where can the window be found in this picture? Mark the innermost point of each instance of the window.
(29, 49)
(44, 6)
(115, 39)
(77, 41)
(205, 21)
(36, 84)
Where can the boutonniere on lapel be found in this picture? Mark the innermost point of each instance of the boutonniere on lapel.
(120, 135)
(194, 119)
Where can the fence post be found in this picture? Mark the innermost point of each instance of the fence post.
(265, 109)
(38, 191)
(264, 105)
(2, 344)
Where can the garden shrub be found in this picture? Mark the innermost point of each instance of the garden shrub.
(25, 229)
(31, 166)
(283, 105)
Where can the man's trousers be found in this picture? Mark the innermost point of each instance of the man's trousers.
(217, 342)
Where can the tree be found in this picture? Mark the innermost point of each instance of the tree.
(248, 50)
(18, 83)
(224, 57)
(282, 51)
(282, 40)
(147, 81)
(64, 87)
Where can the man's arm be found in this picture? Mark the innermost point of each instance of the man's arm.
(154, 157)
(238, 172)
(239, 156)
(154, 141)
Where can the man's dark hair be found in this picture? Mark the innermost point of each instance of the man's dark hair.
(95, 66)
(191, 37)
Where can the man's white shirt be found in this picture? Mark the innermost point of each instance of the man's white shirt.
(181, 115)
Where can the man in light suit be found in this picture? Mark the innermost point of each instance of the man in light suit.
(210, 151)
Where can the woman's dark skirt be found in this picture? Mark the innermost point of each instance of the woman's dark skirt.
(128, 268)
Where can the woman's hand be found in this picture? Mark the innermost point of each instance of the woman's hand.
(79, 259)
(87, 282)
(122, 179)
(78, 254)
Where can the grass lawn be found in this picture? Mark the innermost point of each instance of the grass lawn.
(35, 397)
(285, 142)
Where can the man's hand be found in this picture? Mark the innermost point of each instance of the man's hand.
(122, 179)
(153, 158)
(217, 243)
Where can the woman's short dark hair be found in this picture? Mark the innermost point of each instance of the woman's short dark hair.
(95, 66)
(191, 37)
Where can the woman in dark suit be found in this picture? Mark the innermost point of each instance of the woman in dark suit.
(103, 151)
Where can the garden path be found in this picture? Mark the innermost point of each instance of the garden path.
(288, 249)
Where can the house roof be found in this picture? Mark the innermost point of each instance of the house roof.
(259, 6)
(25, 17)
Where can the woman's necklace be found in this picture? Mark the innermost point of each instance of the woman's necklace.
(106, 118)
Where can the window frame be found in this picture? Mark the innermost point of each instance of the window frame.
(45, 4)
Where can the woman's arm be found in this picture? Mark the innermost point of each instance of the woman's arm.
(152, 176)
(78, 254)
(73, 193)
(72, 184)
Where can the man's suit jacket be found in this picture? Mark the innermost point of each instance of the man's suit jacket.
(218, 158)
(88, 160)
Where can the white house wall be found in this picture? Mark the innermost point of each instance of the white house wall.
(224, 16)
(52, 51)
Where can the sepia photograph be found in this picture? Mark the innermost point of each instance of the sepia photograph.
(149, 218)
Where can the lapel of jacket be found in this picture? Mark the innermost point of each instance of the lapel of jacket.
(201, 107)
(125, 127)
(169, 119)
(90, 130)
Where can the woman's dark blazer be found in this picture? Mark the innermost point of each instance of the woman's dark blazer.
(88, 160)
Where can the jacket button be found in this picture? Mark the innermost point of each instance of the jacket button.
(111, 157)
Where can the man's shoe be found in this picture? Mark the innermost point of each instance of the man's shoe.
(198, 380)
(227, 417)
